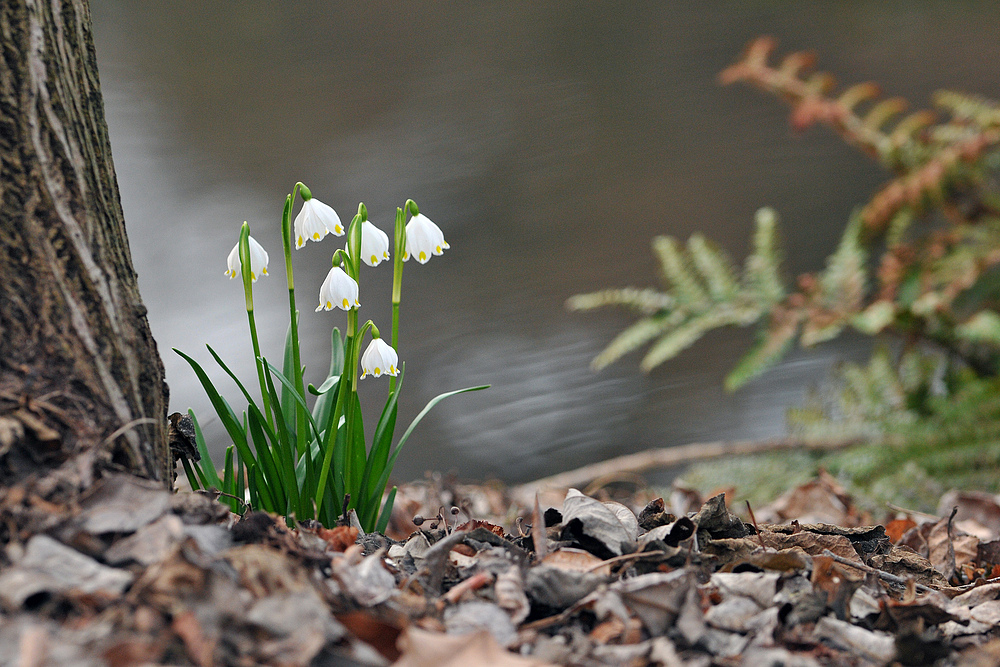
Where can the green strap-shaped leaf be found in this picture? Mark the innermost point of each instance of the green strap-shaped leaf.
(285, 454)
(378, 457)
(269, 470)
(226, 414)
(384, 477)
(287, 403)
(230, 373)
(383, 519)
(295, 396)
(206, 469)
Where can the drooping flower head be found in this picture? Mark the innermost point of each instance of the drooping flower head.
(374, 244)
(379, 358)
(423, 239)
(314, 221)
(258, 261)
(339, 290)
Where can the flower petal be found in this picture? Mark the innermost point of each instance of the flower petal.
(374, 244)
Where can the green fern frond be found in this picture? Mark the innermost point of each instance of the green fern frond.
(647, 301)
(715, 267)
(981, 111)
(676, 272)
(771, 346)
(899, 225)
(983, 327)
(844, 280)
(682, 337)
(762, 275)
(631, 339)
(815, 332)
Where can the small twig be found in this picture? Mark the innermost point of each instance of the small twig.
(436, 557)
(952, 567)
(884, 576)
(668, 457)
(538, 533)
(626, 557)
(474, 582)
(897, 508)
(753, 519)
(128, 427)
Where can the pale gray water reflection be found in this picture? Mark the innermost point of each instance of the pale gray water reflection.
(550, 141)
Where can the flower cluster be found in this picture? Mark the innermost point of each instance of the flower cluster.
(315, 220)
(314, 463)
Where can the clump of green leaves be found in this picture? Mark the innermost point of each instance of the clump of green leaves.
(920, 260)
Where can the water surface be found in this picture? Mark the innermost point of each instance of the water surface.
(550, 142)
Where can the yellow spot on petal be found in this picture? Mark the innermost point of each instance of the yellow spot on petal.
(377, 371)
(315, 236)
(346, 304)
(406, 256)
(439, 250)
(392, 369)
(329, 305)
(338, 229)
(264, 271)
(374, 259)
(423, 255)
(253, 276)
(300, 241)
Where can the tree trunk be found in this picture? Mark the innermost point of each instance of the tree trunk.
(81, 381)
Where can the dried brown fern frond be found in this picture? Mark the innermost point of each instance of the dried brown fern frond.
(935, 162)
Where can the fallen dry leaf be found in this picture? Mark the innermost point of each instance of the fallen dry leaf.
(420, 648)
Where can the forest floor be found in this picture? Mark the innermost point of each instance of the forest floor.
(131, 574)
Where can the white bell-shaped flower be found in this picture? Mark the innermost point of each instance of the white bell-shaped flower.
(374, 244)
(339, 290)
(314, 221)
(258, 261)
(379, 359)
(423, 239)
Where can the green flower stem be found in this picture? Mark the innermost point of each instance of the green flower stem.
(245, 271)
(399, 238)
(353, 354)
(286, 242)
(330, 437)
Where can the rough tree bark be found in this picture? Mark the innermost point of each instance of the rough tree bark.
(81, 381)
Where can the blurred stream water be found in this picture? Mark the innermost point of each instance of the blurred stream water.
(549, 141)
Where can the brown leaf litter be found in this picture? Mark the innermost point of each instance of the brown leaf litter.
(130, 574)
